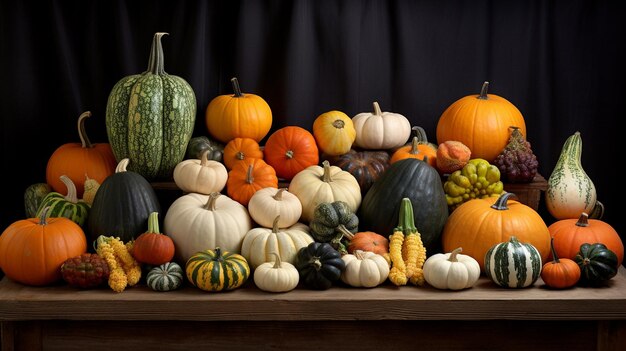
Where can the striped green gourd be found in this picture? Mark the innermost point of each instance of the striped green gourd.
(68, 206)
(33, 195)
(150, 118)
(217, 270)
(513, 264)
(570, 190)
(165, 277)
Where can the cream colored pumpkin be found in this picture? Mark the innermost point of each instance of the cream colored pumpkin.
(381, 130)
(197, 222)
(268, 203)
(259, 243)
(364, 269)
(200, 176)
(452, 270)
(316, 184)
(276, 276)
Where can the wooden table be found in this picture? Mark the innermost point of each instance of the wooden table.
(485, 317)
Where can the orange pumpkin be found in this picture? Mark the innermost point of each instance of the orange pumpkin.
(334, 132)
(481, 122)
(569, 234)
(77, 160)
(33, 250)
(416, 150)
(238, 115)
(247, 177)
(560, 273)
(240, 149)
(368, 241)
(479, 224)
(290, 150)
(153, 247)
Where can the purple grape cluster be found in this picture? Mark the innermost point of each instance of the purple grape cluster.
(517, 163)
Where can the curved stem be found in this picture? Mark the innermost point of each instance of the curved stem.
(483, 91)
(453, 254)
(122, 165)
(420, 133)
(377, 110)
(415, 143)
(326, 176)
(71, 189)
(359, 254)
(275, 225)
(204, 159)
(583, 220)
(156, 63)
(236, 87)
(153, 223)
(44, 215)
(249, 176)
(555, 258)
(278, 262)
(344, 231)
(500, 204)
(210, 205)
(279, 194)
(82, 132)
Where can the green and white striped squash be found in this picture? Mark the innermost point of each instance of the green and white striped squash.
(512, 264)
(68, 206)
(150, 118)
(33, 195)
(165, 277)
(217, 270)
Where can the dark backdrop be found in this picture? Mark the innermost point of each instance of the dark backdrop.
(562, 63)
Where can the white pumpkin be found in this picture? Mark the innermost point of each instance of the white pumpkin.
(197, 222)
(315, 185)
(259, 243)
(381, 130)
(268, 203)
(200, 176)
(276, 276)
(364, 269)
(452, 270)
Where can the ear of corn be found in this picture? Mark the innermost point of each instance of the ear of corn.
(406, 250)
(125, 270)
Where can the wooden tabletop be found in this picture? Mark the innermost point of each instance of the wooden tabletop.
(485, 301)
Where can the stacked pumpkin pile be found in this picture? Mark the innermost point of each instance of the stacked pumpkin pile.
(363, 201)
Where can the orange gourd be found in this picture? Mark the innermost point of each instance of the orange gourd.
(481, 122)
(560, 273)
(78, 160)
(249, 176)
(153, 247)
(416, 150)
(240, 149)
(290, 150)
(368, 241)
(238, 115)
(334, 132)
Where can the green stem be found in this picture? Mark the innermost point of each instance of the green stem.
(156, 63)
(406, 221)
(153, 223)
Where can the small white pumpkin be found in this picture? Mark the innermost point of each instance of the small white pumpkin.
(200, 176)
(277, 276)
(268, 203)
(452, 270)
(364, 269)
(381, 130)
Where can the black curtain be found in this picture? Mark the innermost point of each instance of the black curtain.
(560, 62)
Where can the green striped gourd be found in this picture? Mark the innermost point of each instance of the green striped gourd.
(150, 118)
(68, 206)
(513, 264)
(570, 190)
(217, 270)
(165, 277)
(33, 195)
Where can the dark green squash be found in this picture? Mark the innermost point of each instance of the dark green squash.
(421, 183)
(197, 146)
(331, 222)
(319, 265)
(33, 195)
(597, 264)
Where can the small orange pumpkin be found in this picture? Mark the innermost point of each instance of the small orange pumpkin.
(153, 247)
(247, 177)
(290, 150)
(416, 150)
(368, 241)
(239, 149)
(560, 273)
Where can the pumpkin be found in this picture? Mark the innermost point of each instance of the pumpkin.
(240, 149)
(259, 243)
(380, 130)
(91, 187)
(238, 116)
(597, 263)
(319, 265)
(513, 264)
(334, 132)
(452, 156)
(153, 247)
(68, 206)
(150, 118)
(481, 122)
(197, 222)
(452, 270)
(33, 250)
(165, 277)
(560, 273)
(33, 195)
(569, 234)
(217, 270)
(277, 276)
(122, 205)
(416, 150)
(290, 150)
(420, 133)
(202, 176)
(479, 224)
(74, 160)
(249, 176)
(268, 203)
(198, 145)
(413, 179)
(365, 166)
(364, 269)
(316, 185)
(332, 221)
(368, 241)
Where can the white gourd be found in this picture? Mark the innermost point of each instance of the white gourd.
(381, 130)
(364, 269)
(277, 276)
(200, 176)
(269, 202)
(452, 270)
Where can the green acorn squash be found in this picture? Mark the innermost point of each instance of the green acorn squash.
(33, 195)
(319, 265)
(597, 263)
(331, 222)
(165, 277)
(198, 145)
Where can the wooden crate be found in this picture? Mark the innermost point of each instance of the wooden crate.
(528, 193)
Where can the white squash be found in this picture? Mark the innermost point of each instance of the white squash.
(381, 130)
(364, 269)
(197, 222)
(200, 176)
(269, 202)
(452, 270)
(276, 276)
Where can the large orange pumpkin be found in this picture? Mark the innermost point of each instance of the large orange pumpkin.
(290, 150)
(238, 115)
(249, 176)
(33, 250)
(77, 160)
(569, 234)
(479, 224)
(481, 122)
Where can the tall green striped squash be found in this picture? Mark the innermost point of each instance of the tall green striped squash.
(512, 264)
(150, 118)
(217, 270)
(68, 206)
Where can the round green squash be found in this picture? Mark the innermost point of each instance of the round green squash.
(597, 263)
(68, 206)
(33, 195)
(319, 265)
(512, 264)
(332, 221)
(217, 270)
(198, 145)
(150, 118)
(165, 277)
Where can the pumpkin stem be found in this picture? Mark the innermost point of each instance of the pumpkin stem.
(249, 176)
(279, 194)
(210, 205)
(359, 254)
(415, 143)
(406, 221)
(348, 235)
(326, 177)
(501, 203)
(236, 87)
(289, 154)
(453, 254)
(275, 224)
(44, 215)
(156, 62)
(122, 165)
(377, 110)
(317, 264)
(153, 223)
(344, 231)
(277, 262)
(483, 91)
(218, 254)
(204, 159)
(240, 155)
(338, 124)
(555, 258)
(420, 133)
(71, 189)
(82, 132)
(583, 220)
